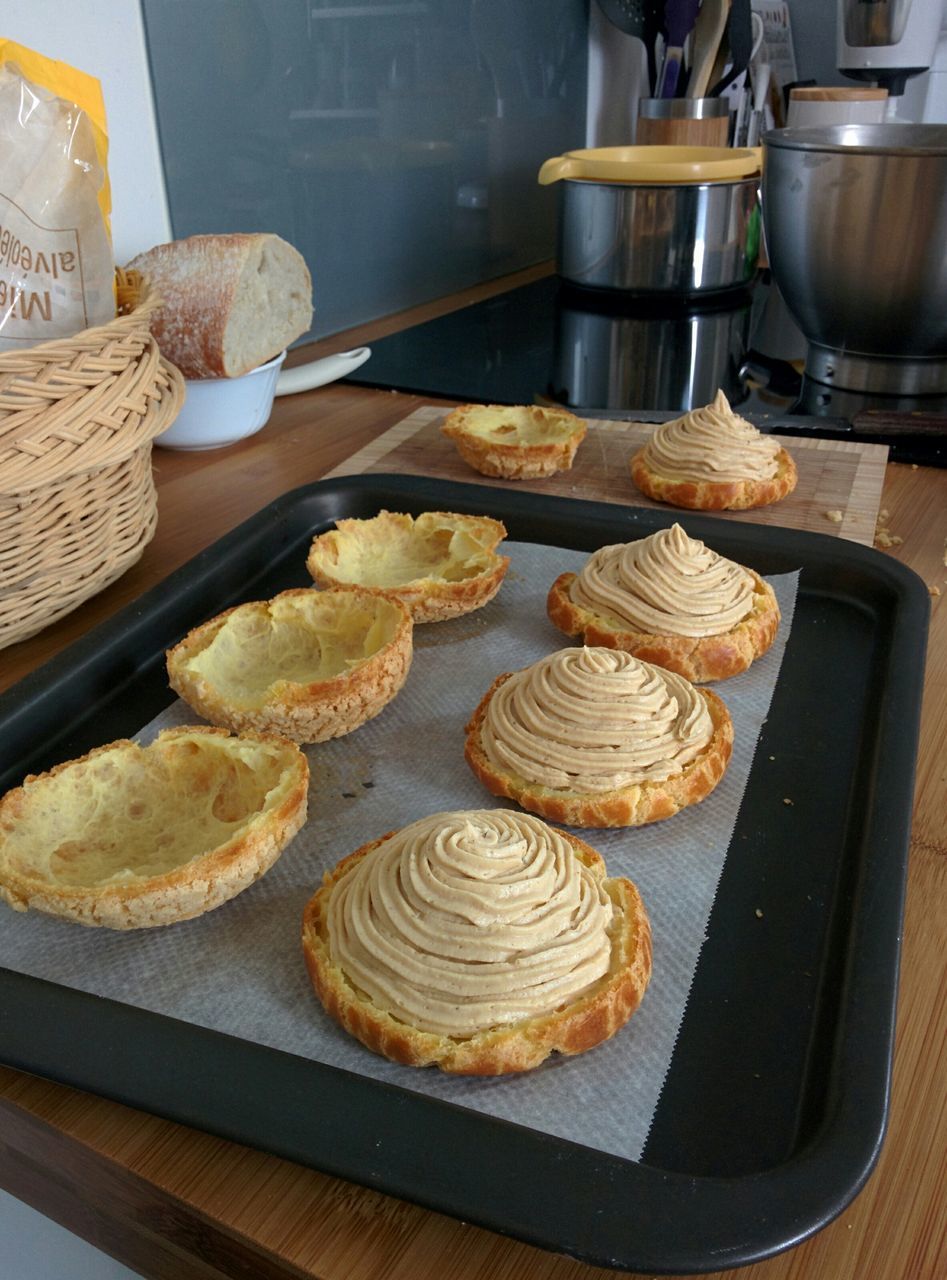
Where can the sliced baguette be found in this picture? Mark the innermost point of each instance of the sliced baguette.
(229, 303)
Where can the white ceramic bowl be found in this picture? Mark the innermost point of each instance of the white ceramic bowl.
(221, 411)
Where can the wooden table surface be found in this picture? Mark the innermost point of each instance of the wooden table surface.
(178, 1204)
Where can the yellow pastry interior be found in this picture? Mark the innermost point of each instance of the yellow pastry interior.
(521, 425)
(128, 813)
(392, 549)
(297, 638)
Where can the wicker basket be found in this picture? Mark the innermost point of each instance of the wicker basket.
(77, 501)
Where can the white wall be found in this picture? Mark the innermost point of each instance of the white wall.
(106, 38)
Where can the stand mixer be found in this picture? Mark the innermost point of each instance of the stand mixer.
(887, 41)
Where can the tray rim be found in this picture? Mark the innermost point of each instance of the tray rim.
(740, 1219)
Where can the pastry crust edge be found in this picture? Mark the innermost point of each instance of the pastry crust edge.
(716, 495)
(592, 1018)
(427, 599)
(510, 461)
(631, 806)
(697, 658)
(186, 891)
(304, 713)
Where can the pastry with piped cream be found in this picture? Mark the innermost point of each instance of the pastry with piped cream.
(593, 737)
(711, 459)
(669, 599)
(479, 941)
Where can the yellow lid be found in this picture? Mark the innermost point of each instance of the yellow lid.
(654, 164)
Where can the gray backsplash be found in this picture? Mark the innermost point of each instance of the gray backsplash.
(396, 143)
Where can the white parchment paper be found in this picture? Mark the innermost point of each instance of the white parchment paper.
(240, 970)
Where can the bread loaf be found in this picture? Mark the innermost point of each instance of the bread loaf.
(229, 303)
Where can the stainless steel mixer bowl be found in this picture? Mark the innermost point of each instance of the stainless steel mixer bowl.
(855, 220)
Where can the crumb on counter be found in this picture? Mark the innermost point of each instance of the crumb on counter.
(934, 590)
(884, 538)
(835, 516)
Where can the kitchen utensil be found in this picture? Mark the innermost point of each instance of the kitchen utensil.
(317, 373)
(740, 40)
(682, 220)
(696, 122)
(627, 15)
(679, 19)
(709, 31)
(856, 223)
(730, 1174)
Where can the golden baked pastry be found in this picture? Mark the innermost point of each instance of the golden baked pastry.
(309, 665)
(670, 600)
(480, 942)
(129, 837)
(440, 564)
(515, 442)
(596, 738)
(711, 459)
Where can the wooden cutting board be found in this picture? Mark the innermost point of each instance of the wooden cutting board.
(840, 477)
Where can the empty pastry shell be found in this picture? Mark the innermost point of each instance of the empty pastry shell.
(515, 442)
(439, 564)
(130, 837)
(309, 665)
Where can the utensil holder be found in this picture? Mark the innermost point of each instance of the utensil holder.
(700, 122)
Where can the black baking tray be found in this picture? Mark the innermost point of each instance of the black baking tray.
(775, 1106)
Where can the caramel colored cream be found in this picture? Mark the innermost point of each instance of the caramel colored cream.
(712, 443)
(666, 585)
(591, 720)
(465, 921)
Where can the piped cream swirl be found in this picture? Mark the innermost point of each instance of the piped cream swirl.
(711, 443)
(470, 920)
(665, 585)
(591, 720)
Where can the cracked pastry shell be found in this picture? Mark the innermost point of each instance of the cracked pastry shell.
(631, 805)
(439, 564)
(579, 1024)
(131, 837)
(310, 665)
(515, 442)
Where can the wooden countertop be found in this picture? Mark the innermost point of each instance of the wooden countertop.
(176, 1203)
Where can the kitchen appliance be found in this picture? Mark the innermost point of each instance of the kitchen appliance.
(856, 223)
(656, 220)
(613, 351)
(595, 351)
(887, 41)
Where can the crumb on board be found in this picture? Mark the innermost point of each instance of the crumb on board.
(835, 516)
(934, 590)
